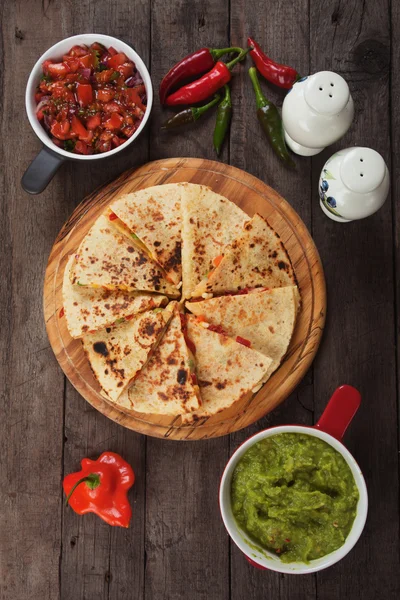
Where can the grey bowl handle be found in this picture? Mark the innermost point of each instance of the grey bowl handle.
(41, 171)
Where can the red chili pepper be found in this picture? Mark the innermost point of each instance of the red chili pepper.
(206, 86)
(281, 75)
(101, 487)
(193, 65)
(243, 341)
(112, 216)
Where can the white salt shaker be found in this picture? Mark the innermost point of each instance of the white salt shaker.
(317, 112)
(354, 184)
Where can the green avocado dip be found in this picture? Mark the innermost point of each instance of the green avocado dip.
(295, 495)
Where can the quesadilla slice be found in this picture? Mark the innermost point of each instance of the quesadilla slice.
(167, 384)
(152, 218)
(226, 370)
(88, 309)
(106, 258)
(209, 222)
(116, 354)
(256, 258)
(264, 320)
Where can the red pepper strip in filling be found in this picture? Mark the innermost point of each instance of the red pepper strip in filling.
(217, 329)
(243, 341)
(281, 75)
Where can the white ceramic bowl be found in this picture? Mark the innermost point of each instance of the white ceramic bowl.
(56, 52)
(264, 559)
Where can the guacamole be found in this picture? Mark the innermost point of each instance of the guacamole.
(295, 495)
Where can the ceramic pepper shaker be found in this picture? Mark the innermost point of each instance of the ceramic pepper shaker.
(317, 111)
(354, 184)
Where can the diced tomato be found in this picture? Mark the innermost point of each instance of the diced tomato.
(58, 69)
(217, 260)
(114, 122)
(129, 317)
(105, 76)
(133, 97)
(78, 50)
(112, 216)
(194, 378)
(112, 51)
(84, 93)
(117, 59)
(78, 128)
(106, 136)
(81, 147)
(93, 122)
(128, 131)
(126, 69)
(243, 341)
(45, 66)
(61, 130)
(105, 95)
(103, 146)
(97, 47)
(61, 313)
(86, 61)
(117, 141)
(111, 107)
(72, 62)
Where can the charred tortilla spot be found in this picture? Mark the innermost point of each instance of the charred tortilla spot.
(131, 249)
(157, 244)
(162, 396)
(120, 384)
(108, 329)
(100, 348)
(283, 266)
(203, 383)
(182, 376)
(221, 385)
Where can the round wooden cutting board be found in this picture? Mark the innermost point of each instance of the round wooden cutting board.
(252, 195)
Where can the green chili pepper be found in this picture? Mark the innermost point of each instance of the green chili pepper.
(270, 121)
(189, 115)
(224, 115)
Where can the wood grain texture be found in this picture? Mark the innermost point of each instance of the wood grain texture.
(177, 547)
(353, 38)
(282, 29)
(97, 561)
(252, 196)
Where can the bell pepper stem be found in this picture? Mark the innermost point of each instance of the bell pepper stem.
(238, 58)
(261, 100)
(216, 53)
(92, 481)
(197, 111)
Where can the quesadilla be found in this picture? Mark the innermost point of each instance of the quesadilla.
(152, 218)
(264, 320)
(106, 258)
(88, 309)
(226, 370)
(209, 222)
(116, 354)
(167, 384)
(256, 258)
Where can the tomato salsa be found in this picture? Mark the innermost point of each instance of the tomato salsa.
(92, 101)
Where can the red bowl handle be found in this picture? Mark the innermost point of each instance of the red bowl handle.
(256, 565)
(340, 411)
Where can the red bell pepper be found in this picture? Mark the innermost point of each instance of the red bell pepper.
(101, 487)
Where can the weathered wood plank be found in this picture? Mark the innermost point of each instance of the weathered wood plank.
(31, 382)
(353, 38)
(97, 561)
(186, 546)
(282, 31)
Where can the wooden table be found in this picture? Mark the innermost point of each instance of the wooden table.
(177, 547)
